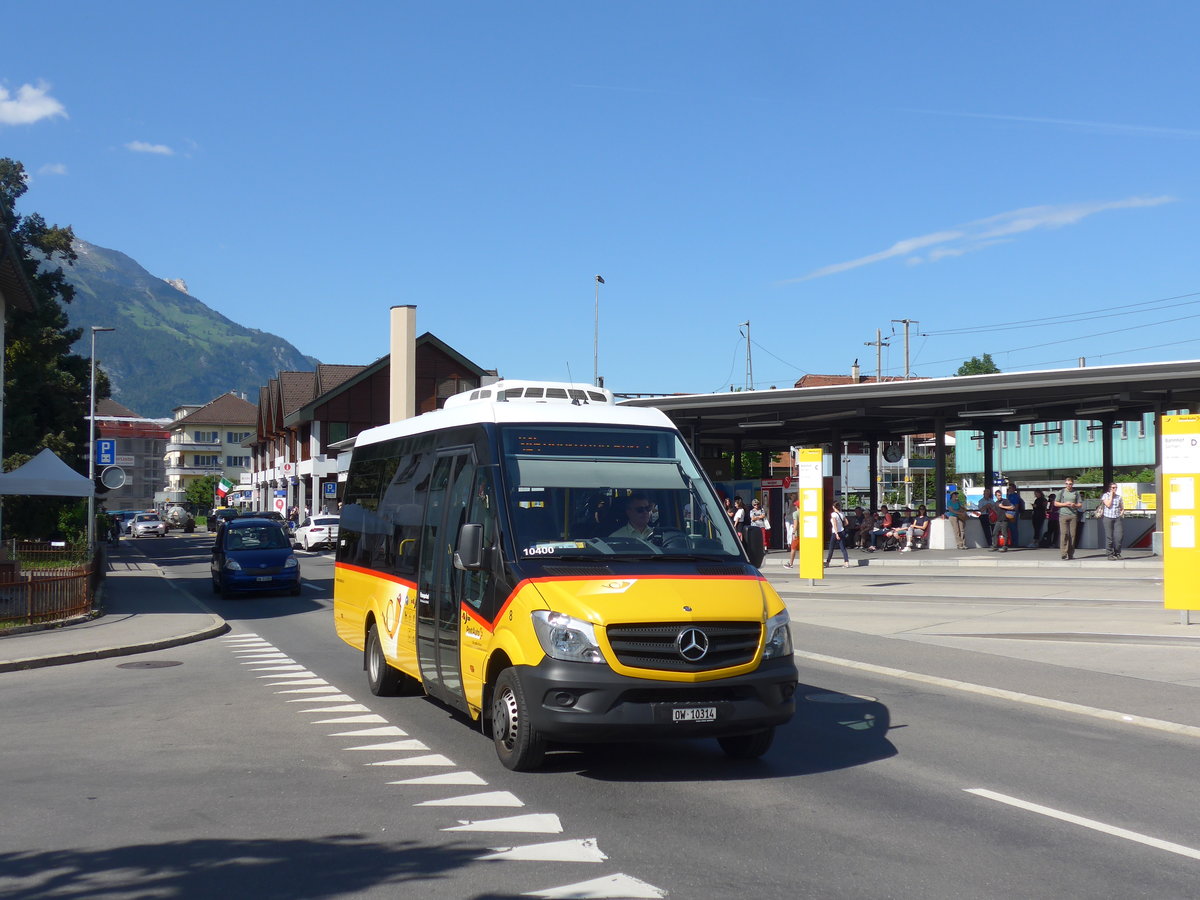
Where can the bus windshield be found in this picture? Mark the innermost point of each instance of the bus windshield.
(603, 491)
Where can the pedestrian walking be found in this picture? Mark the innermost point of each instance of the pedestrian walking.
(1069, 504)
(794, 539)
(740, 525)
(1112, 507)
(837, 534)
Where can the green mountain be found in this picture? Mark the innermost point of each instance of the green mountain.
(169, 348)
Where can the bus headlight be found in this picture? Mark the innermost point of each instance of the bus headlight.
(779, 637)
(563, 637)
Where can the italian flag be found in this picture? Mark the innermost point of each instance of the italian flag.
(224, 486)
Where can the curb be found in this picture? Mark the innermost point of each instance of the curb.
(218, 627)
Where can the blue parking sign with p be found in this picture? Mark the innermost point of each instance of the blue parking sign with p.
(106, 452)
(330, 488)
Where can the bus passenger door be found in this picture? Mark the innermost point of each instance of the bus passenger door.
(438, 607)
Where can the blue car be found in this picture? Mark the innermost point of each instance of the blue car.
(254, 555)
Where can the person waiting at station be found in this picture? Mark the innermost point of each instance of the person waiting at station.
(883, 524)
(864, 529)
(919, 529)
(1005, 514)
(638, 508)
(900, 526)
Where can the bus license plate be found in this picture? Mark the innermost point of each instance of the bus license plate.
(694, 714)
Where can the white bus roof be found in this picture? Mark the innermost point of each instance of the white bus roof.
(549, 402)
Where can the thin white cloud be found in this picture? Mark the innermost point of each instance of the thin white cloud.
(30, 104)
(986, 232)
(143, 147)
(1077, 124)
(53, 169)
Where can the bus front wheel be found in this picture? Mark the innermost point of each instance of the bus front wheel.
(382, 678)
(518, 744)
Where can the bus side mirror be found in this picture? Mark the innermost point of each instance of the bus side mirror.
(469, 555)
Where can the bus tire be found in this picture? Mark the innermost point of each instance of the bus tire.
(383, 680)
(747, 746)
(518, 744)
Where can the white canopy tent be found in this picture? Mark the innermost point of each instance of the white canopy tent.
(45, 476)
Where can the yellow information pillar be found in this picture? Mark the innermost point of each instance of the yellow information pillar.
(1180, 456)
(810, 556)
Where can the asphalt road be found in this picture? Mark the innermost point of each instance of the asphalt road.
(205, 770)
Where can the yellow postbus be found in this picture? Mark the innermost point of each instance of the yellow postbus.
(560, 568)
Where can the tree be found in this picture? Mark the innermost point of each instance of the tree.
(201, 491)
(46, 386)
(977, 366)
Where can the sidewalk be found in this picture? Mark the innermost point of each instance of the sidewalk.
(143, 611)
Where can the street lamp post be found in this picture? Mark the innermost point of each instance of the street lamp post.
(596, 337)
(91, 523)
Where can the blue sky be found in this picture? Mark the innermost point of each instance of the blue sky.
(1019, 179)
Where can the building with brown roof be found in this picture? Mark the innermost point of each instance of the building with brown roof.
(208, 440)
(302, 414)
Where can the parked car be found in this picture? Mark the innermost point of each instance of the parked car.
(148, 523)
(252, 554)
(319, 531)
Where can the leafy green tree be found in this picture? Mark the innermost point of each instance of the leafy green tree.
(202, 490)
(978, 366)
(46, 386)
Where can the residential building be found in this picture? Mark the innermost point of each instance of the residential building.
(140, 450)
(208, 440)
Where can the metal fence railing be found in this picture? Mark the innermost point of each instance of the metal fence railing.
(41, 584)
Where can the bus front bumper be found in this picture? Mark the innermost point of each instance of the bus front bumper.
(582, 702)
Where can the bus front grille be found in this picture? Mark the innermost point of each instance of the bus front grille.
(676, 647)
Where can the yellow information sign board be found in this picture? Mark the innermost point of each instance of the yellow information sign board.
(1180, 436)
(811, 555)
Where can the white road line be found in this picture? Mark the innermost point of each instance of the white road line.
(610, 887)
(344, 720)
(409, 744)
(285, 667)
(327, 698)
(433, 759)
(345, 707)
(293, 682)
(582, 850)
(488, 798)
(1086, 823)
(301, 674)
(444, 778)
(326, 688)
(532, 823)
(372, 732)
(1094, 712)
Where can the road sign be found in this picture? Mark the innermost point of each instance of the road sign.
(330, 488)
(106, 452)
(280, 504)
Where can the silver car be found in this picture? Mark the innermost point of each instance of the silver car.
(148, 524)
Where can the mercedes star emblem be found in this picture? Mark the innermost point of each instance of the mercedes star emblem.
(692, 644)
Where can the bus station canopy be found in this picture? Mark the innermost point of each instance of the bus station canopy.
(773, 420)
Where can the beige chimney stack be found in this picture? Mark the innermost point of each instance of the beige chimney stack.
(403, 363)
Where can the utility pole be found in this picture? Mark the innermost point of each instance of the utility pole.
(907, 322)
(879, 343)
(749, 364)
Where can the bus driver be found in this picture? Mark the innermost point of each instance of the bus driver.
(637, 510)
